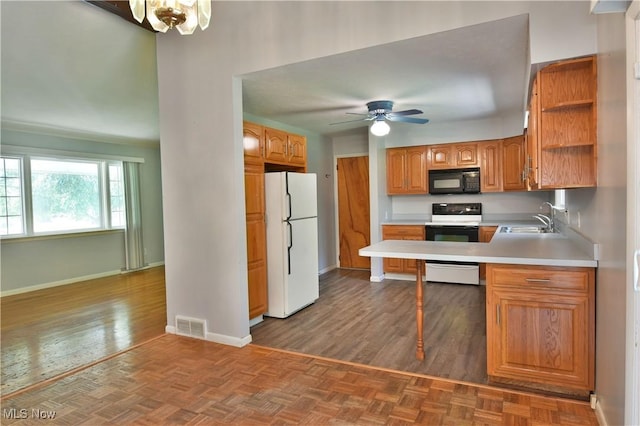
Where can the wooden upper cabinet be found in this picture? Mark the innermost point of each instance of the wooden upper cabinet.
(532, 171)
(275, 145)
(466, 154)
(253, 142)
(441, 156)
(297, 149)
(276, 149)
(407, 170)
(513, 154)
(490, 153)
(453, 155)
(567, 119)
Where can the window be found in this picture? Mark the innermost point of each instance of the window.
(11, 205)
(60, 195)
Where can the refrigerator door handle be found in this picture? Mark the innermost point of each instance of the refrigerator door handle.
(289, 245)
(287, 194)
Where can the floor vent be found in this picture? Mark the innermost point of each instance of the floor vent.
(192, 327)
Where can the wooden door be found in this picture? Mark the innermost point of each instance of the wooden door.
(440, 156)
(353, 211)
(466, 155)
(297, 150)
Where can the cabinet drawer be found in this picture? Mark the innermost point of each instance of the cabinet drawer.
(389, 232)
(532, 277)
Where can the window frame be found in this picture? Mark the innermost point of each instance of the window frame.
(104, 162)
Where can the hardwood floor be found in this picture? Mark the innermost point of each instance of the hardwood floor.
(52, 331)
(114, 371)
(374, 324)
(179, 380)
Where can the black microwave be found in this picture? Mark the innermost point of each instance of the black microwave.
(454, 181)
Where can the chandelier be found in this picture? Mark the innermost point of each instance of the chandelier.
(184, 15)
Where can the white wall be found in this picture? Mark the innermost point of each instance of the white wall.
(35, 262)
(201, 114)
(603, 217)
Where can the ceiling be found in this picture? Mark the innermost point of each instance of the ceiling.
(473, 73)
(478, 72)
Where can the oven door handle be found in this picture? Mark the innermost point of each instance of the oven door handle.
(450, 266)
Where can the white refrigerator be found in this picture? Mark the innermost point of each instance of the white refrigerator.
(292, 242)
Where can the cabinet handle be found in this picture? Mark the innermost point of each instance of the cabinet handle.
(498, 314)
(538, 280)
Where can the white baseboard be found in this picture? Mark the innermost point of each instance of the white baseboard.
(327, 269)
(218, 338)
(69, 281)
(376, 278)
(602, 421)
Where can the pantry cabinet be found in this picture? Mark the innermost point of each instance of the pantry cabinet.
(541, 327)
(265, 149)
(256, 239)
(407, 170)
(401, 232)
(565, 115)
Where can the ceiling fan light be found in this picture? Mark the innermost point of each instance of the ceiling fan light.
(380, 128)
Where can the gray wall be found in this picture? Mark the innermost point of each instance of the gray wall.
(43, 261)
(602, 217)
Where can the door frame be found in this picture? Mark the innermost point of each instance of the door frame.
(632, 354)
(336, 213)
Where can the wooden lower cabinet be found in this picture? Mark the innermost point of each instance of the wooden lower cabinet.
(401, 232)
(541, 327)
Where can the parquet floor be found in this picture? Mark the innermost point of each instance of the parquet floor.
(179, 380)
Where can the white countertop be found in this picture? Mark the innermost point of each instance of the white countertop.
(523, 249)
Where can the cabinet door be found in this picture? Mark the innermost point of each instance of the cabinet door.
(539, 337)
(401, 232)
(256, 239)
(396, 170)
(416, 169)
(513, 163)
(466, 155)
(276, 142)
(532, 141)
(297, 150)
(491, 166)
(441, 156)
(253, 142)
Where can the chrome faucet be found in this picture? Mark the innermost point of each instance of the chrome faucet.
(548, 221)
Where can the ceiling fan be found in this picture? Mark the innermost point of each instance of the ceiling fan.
(380, 112)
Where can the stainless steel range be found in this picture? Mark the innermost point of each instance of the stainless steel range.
(457, 222)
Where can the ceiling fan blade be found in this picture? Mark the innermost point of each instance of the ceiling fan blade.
(408, 119)
(348, 121)
(356, 113)
(405, 112)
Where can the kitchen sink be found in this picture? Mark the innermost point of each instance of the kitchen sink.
(524, 229)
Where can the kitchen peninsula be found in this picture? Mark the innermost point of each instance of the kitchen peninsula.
(540, 303)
